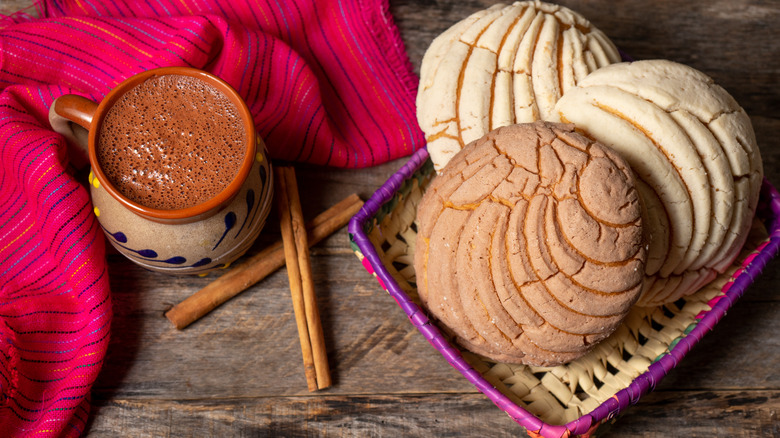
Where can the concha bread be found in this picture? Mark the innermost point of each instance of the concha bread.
(500, 66)
(694, 152)
(529, 246)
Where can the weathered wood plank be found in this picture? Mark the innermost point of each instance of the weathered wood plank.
(675, 413)
(8, 7)
(249, 346)
(743, 413)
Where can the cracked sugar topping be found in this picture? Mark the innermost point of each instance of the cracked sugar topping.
(530, 246)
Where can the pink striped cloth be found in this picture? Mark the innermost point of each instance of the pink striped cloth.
(328, 82)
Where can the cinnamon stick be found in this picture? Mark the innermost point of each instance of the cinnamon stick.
(296, 254)
(259, 266)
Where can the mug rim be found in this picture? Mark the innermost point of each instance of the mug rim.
(193, 212)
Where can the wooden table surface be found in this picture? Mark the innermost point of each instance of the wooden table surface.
(238, 371)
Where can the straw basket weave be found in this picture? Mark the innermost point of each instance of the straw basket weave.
(576, 398)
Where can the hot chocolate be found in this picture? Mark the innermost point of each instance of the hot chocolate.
(171, 142)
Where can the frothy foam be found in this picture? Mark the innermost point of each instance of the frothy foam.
(171, 142)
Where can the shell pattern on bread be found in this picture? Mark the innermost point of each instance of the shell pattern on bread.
(695, 154)
(500, 66)
(530, 244)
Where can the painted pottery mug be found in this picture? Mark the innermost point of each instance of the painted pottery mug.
(180, 181)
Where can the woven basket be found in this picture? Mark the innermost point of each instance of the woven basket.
(576, 398)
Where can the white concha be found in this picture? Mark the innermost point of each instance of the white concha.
(445, 56)
(501, 66)
(693, 146)
(585, 108)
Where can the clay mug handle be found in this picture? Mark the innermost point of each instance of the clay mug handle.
(71, 116)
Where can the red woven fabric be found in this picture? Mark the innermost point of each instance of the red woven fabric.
(327, 81)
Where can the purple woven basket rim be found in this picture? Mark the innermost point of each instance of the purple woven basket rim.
(616, 404)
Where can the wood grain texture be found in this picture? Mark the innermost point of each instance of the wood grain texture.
(8, 7)
(237, 371)
(748, 414)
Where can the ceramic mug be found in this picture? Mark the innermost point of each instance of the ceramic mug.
(191, 240)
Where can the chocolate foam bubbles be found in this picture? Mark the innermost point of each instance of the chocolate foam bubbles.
(171, 142)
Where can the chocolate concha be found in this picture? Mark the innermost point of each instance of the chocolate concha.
(500, 66)
(530, 244)
(695, 154)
